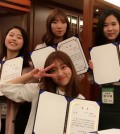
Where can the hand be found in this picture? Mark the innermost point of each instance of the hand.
(39, 73)
(90, 63)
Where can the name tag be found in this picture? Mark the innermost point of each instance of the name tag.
(108, 95)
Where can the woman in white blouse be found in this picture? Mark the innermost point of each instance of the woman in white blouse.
(58, 76)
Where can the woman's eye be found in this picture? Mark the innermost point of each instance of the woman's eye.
(53, 71)
(105, 25)
(19, 37)
(11, 35)
(114, 24)
(63, 21)
(54, 22)
(64, 66)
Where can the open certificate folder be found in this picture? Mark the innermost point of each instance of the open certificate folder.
(73, 48)
(106, 63)
(70, 46)
(11, 69)
(56, 115)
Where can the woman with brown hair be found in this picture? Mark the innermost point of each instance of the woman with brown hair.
(59, 76)
(57, 28)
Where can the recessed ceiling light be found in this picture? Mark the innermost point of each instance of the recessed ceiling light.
(97, 10)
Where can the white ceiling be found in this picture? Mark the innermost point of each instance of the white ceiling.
(78, 4)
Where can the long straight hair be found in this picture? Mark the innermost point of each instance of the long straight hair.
(48, 37)
(72, 89)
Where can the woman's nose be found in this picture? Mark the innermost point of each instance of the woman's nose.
(60, 72)
(59, 25)
(14, 37)
(110, 27)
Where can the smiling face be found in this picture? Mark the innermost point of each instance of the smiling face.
(111, 28)
(14, 40)
(62, 74)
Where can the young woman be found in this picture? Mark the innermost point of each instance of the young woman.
(15, 44)
(108, 31)
(59, 76)
(57, 28)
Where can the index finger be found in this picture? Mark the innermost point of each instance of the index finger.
(49, 67)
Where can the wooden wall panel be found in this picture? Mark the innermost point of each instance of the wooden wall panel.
(22, 2)
(39, 14)
(20, 5)
(87, 40)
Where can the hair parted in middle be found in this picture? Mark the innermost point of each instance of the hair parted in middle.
(49, 36)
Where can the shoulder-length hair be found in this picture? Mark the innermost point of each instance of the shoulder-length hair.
(24, 50)
(72, 89)
(100, 39)
(48, 37)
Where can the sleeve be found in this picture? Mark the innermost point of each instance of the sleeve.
(40, 46)
(20, 92)
(80, 96)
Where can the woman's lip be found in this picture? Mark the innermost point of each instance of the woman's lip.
(62, 78)
(59, 31)
(12, 43)
(110, 34)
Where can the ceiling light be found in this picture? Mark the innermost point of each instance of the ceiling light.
(97, 10)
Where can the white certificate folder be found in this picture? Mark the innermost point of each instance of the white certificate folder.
(56, 115)
(106, 63)
(71, 46)
(11, 69)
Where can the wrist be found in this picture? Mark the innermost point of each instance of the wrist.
(29, 76)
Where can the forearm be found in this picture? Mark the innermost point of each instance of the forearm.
(35, 73)
(22, 79)
(20, 92)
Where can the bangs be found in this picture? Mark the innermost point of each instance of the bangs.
(58, 55)
(59, 16)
